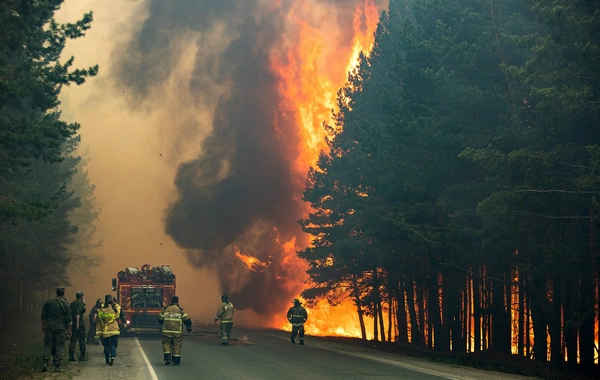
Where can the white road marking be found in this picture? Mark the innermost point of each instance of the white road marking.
(150, 369)
(391, 362)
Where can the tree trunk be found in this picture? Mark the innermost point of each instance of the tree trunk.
(439, 342)
(390, 315)
(501, 322)
(540, 323)
(586, 329)
(555, 325)
(401, 313)
(521, 336)
(425, 332)
(359, 310)
(569, 323)
(415, 334)
(477, 313)
(375, 327)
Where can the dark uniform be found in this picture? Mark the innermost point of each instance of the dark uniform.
(297, 316)
(91, 336)
(172, 319)
(78, 310)
(56, 324)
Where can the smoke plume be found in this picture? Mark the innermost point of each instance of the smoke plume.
(240, 198)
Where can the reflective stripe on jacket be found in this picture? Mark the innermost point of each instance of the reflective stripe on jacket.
(173, 318)
(225, 312)
(297, 315)
(107, 323)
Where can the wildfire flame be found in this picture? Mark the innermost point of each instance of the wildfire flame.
(311, 67)
(251, 262)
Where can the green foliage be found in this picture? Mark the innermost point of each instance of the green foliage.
(470, 140)
(37, 153)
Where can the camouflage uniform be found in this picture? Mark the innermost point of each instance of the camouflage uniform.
(91, 336)
(172, 319)
(56, 319)
(78, 309)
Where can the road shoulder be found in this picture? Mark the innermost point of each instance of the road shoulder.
(129, 364)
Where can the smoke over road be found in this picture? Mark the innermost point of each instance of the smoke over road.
(239, 200)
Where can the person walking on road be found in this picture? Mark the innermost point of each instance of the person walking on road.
(172, 319)
(225, 314)
(56, 325)
(77, 313)
(297, 316)
(91, 336)
(107, 327)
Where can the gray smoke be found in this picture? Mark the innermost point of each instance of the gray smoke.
(240, 192)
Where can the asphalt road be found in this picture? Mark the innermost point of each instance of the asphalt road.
(265, 355)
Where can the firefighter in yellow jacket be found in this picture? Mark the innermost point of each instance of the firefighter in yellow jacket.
(225, 314)
(107, 327)
(172, 319)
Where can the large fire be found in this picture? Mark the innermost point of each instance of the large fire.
(311, 66)
(311, 71)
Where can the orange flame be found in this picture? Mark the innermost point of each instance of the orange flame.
(311, 66)
(251, 262)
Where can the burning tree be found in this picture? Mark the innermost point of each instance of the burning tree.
(460, 189)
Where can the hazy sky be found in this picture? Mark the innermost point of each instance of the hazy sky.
(189, 145)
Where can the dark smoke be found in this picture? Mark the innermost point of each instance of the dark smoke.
(240, 191)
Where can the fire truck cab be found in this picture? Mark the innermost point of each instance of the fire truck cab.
(143, 293)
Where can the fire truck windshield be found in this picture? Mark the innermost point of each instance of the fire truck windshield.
(146, 298)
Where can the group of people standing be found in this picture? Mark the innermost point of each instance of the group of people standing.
(62, 321)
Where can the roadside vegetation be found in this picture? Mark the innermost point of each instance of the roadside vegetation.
(43, 183)
(459, 205)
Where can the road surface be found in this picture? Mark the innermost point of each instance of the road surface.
(265, 354)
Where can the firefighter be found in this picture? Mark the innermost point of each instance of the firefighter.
(172, 318)
(91, 336)
(107, 327)
(297, 316)
(225, 314)
(56, 325)
(77, 313)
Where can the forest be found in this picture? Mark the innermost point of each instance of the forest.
(47, 204)
(458, 204)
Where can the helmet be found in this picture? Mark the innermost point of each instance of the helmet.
(296, 301)
(108, 298)
(174, 299)
(224, 297)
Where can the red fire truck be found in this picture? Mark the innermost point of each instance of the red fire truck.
(144, 292)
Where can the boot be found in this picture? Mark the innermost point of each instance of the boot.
(45, 366)
(167, 358)
(72, 356)
(82, 356)
(293, 340)
(176, 360)
(302, 341)
(111, 362)
(58, 369)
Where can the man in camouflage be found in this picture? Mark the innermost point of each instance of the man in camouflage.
(77, 313)
(56, 325)
(172, 319)
(91, 336)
